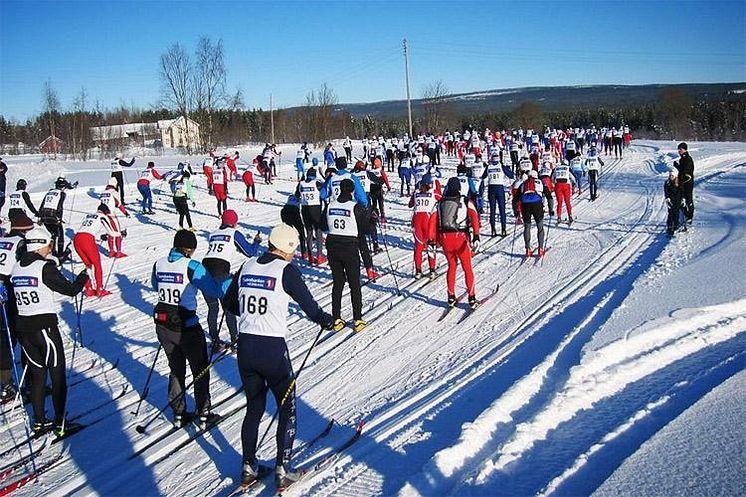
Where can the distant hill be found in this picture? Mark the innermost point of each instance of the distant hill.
(549, 98)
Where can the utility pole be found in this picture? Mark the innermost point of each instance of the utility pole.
(406, 74)
(271, 119)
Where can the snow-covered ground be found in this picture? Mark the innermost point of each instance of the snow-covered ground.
(615, 367)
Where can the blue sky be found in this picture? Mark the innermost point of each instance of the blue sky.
(288, 48)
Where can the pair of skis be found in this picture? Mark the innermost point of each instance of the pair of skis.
(308, 472)
(470, 310)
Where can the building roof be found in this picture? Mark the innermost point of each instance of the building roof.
(122, 131)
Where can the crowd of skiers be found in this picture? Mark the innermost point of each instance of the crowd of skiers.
(333, 217)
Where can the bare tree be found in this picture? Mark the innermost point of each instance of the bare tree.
(177, 89)
(435, 104)
(209, 80)
(50, 104)
(320, 111)
(236, 102)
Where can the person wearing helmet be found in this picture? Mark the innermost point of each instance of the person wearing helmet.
(260, 294)
(177, 278)
(532, 205)
(225, 244)
(117, 172)
(51, 213)
(19, 201)
(455, 225)
(84, 241)
(12, 247)
(143, 186)
(220, 186)
(35, 281)
(672, 193)
(423, 203)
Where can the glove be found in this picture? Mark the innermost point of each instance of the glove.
(124, 233)
(258, 238)
(104, 237)
(475, 244)
(82, 277)
(327, 321)
(3, 294)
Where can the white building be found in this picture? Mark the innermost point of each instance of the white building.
(169, 133)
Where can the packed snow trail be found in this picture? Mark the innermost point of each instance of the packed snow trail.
(548, 388)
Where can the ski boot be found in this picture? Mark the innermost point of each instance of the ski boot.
(473, 302)
(320, 260)
(9, 393)
(253, 472)
(359, 325)
(451, 300)
(90, 292)
(377, 249)
(494, 233)
(204, 421)
(181, 420)
(503, 233)
(339, 325)
(42, 426)
(418, 275)
(569, 220)
(542, 252)
(372, 275)
(433, 274)
(120, 255)
(284, 477)
(529, 253)
(218, 346)
(67, 428)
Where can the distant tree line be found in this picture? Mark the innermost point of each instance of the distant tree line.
(674, 116)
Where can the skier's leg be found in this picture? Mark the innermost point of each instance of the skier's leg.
(35, 349)
(352, 271)
(501, 206)
(279, 380)
(338, 279)
(177, 366)
(364, 250)
(56, 367)
(451, 258)
(527, 209)
(195, 350)
(231, 322)
(465, 258)
(212, 318)
(492, 198)
(255, 389)
(539, 217)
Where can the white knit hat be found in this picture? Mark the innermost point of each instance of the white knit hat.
(37, 238)
(284, 238)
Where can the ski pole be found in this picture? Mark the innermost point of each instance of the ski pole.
(79, 332)
(111, 269)
(546, 238)
(142, 427)
(291, 386)
(26, 423)
(17, 399)
(391, 265)
(512, 244)
(147, 382)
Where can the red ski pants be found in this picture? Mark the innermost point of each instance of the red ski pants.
(563, 191)
(456, 248)
(420, 227)
(85, 246)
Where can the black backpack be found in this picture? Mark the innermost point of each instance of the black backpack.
(448, 209)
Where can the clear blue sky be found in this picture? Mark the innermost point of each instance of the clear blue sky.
(288, 48)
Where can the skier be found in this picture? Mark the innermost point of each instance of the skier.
(12, 246)
(593, 164)
(367, 179)
(376, 190)
(143, 186)
(494, 179)
(35, 280)
(331, 189)
(329, 155)
(176, 278)
(545, 175)
(117, 172)
(259, 295)
(344, 219)
(309, 191)
(220, 186)
(685, 167)
(576, 166)
(347, 145)
(531, 191)
(20, 202)
(299, 163)
(617, 141)
(183, 195)
(563, 179)
(672, 193)
(405, 175)
(224, 244)
(230, 163)
(290, 215)
(423, 202)
(207, 165)
(85, 245)
(51, 213)
(248, 180)
(455, 224)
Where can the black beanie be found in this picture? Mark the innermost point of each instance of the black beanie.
(346, 186)
(683, 146)
(453, 188)
(185, 239)
(340, 162)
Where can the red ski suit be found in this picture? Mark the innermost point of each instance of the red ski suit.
(457, 247)
(424, 206)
